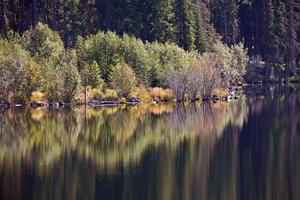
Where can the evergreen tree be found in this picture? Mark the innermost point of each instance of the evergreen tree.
(185, 21)
(3, 18)
(224, 17)
(163, 22)
(200, 36)
(71, 22)
(270, 40)
(280, 30)
(293, 17)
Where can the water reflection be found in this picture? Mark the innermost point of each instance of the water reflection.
(248, 149)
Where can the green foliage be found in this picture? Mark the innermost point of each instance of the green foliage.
(200, 36)
(44, 45)
(102, 48)
(239, 61)
(163, 23)
(134, 53)
(123, 79)
(91, 75)
(166, 57)
(111, 95)
(38, 61)
(224, 58)
(150, 61)
(69, 75)
(185, 20)
(231, 62)
(18, 72)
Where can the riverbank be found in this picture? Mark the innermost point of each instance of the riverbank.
(98, 103)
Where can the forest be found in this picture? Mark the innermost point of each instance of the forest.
(55, 49)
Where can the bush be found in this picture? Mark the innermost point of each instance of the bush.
(108, 49)
(18, 72)
(17, 98)
(37, 96)
(70, 77)
(166, 58)
(123, 79)
(91, 75)
(44, 44)
(96, 94)
(162, 95)
(231, 62)
(140, 93)
(221, 92)
(111, 95)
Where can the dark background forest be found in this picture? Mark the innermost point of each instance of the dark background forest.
(268, 28)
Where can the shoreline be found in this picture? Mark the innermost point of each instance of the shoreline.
(96, 103)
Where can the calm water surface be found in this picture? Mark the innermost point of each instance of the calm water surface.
(247, 149)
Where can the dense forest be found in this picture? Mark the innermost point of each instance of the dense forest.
(269, 28)
(86, 41)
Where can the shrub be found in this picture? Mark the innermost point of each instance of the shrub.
(156, 93)
(161, 94)
(91, 75)
(168, 95)
(44, 44)
(231, 62)
(17, 98)
(111, 95)
(123, 79)
(96, 94)
(140, 93)
(18, 72)
(70, 77)
(221, 92)
(178, 81)
(37, 96)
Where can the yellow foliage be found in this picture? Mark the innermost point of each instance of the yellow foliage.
(221, 92)
(37, 96)
(96, 94)
(140, 93)
(161, 94)
(111, 95)
(123, 100)
(168, 95)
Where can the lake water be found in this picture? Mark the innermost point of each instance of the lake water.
(246, 149)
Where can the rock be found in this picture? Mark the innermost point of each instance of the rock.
(216, 98)
(206, 99)
(94, 103)
(133, 101)
(54, 104)
(109, 103)
(37, 104)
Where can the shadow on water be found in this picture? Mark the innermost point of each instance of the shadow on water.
(246, 149)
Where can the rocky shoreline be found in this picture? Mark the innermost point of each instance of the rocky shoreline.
(97, 103)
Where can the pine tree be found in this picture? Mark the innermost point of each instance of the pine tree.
(225, 19)
(200, 36)
(185, 21)
(270, 40)
(293, 17)
(163, 22)
(3, 18)
(71, 23)
(280, 30)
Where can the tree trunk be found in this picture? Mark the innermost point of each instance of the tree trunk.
(3, 24)
(34, 13)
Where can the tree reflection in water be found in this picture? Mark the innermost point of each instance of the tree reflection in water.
(247, 149)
